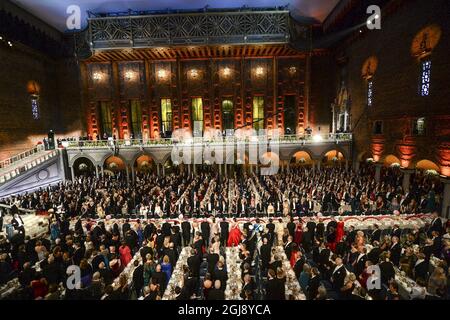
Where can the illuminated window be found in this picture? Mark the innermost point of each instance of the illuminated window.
(105, 116)
(166, 115)
(197, 115)
(369, 93)
(258, 112)
(419, 126)
(227, 114)
(136, 118)
(425, 78)
(35, 109)
(378, 127)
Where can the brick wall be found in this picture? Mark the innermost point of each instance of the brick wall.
(396, 80)
(59, 98)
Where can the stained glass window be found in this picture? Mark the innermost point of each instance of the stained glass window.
(258, 112)
(369, 93)
(136, 118)
(35, 109)
(227, 114)
(197, 115)
(425, 78)
(166, 115)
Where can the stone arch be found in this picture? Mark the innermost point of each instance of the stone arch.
(334, 148)
(82, 155)
(83, 165)
(121, 163)
(102, 161)
(426, 164)
(297, 157)
(390, 160)
(309, 152)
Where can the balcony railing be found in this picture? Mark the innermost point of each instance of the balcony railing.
(21, 156)
(195, 28)
(164, 142)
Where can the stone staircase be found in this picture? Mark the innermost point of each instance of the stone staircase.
(11, 169)
(34, 225)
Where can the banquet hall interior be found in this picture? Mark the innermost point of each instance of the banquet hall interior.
(224, 150)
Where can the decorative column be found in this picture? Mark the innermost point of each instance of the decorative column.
(407, 151)
(356, 166)
(446, 198)
(377, 147)
(133, 174)
(128, 173)
(378, 171)
(72, 172)
(157, 169)
(96, 171)
(406, 179)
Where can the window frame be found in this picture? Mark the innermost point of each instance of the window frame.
(257, 124)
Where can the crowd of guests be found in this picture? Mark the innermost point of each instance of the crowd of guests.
(100, 224)
(329, 261)
(300, 192)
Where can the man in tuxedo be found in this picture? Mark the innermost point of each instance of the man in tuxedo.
(437, 243)
(126, 227)
(205, 227)
(396, 231)
(351, 236)
(138, 277)
(271, 231)
(421, 267)
(194, 262)
(396, 251)
(220, 273)
(275, 289)
(212, 260)
(224, 231)
(298, 266)
(18, 224)
(186, 232)
(338, 275)
(291, 226)
(436, 225)
(360, 262)
(374, 254)
(217, 293)
(386, 268)
(166, 228)
(313, 284)
(376, 234)
(289, 247)
(264, 253)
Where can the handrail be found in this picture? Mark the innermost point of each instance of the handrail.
(19, 157)
(8, 173)
(28, 211)
(286, 139)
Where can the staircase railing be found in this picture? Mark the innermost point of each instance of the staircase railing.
(12, 171)
(21, 156)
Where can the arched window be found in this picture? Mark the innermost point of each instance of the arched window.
(35, 108)
(370, 92)
(425, 77)
(258, 112)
